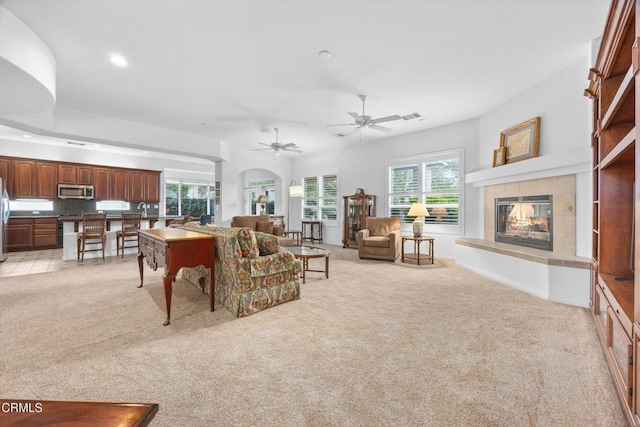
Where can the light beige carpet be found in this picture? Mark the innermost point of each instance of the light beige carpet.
(378, 343)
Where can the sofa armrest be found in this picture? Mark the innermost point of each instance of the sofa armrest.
(267, 243)
(396, 240)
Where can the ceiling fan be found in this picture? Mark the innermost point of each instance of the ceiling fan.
(364, 121)
(279, 148)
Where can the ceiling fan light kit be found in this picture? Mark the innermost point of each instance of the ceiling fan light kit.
(364, 121)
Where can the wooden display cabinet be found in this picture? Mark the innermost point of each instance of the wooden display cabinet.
(615, 291)
(356, 210)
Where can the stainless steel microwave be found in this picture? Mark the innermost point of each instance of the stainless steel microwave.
(66, 191)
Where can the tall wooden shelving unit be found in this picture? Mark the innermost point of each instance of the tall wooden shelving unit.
(615, 292)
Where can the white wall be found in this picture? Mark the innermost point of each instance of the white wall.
(362, 165)
(565, 124)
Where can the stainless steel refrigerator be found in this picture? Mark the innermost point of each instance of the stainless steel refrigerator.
(4, 217)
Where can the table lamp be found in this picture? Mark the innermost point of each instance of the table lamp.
(419, 211)
(262, 200)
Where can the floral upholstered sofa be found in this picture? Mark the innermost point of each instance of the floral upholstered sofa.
(252, 273)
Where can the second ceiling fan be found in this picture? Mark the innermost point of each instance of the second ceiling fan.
(364, 121)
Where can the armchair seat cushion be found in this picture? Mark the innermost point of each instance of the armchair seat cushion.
(377, 242)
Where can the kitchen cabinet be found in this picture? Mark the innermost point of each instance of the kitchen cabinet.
(102, 183)
(19, 234)
(120, 184)
(46, 179)
(84, 175)
(45, 233)
(24, 179)
(67, 174)
(6, 173)
(137, 186)
(152, 189)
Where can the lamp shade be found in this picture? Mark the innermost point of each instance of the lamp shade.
(418, 209)
(295, 191)
(262, 199)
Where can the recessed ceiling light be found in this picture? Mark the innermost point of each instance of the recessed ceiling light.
(26, 136)
(324, 54)
(119, 60)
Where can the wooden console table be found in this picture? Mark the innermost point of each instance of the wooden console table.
(56, 413)
(174, 248)
(315, 231)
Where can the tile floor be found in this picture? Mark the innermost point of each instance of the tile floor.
(43, 261)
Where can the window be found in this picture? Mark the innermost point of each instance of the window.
(198, 198)
(320, 197)
(433, 179)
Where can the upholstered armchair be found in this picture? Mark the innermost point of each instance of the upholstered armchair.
(252, 272)
(380, 239)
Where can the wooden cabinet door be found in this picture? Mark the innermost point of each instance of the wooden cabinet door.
(102, 183)
(85, 175)
(120, 184)
(47, 177)
(24, 179)
(45, 233)
(6, 173)
(152, 190)
(137, 186)
(19, 234)
(67, 174)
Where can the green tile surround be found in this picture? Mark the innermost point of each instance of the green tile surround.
(529, 254)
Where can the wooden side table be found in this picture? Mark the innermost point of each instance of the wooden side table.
(295, 235)
(315, 231)
(416, 255)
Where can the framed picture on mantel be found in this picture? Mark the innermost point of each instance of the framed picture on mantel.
(499, 155)
(521, 141)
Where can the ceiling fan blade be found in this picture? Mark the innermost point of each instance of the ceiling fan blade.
(267, 145)
(358, 118)
(289, 145)
(294, 150)
(381, 128)
(385, 119)
(345, 124)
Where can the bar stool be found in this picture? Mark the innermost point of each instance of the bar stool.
(130, 227)
(94, 232)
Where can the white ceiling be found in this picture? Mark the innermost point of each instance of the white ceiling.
(244, 67)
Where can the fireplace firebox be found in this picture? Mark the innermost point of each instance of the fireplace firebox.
(525, 221)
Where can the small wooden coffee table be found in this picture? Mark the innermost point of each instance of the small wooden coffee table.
(304, 253)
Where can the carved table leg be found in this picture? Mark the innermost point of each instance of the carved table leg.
(168, 279)
(140, 266)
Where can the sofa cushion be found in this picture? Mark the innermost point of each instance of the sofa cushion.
(248, 243)
(265, 227)
(268, 244)
(377, 242)
(382, 226)
(244, 221)
(278, 230)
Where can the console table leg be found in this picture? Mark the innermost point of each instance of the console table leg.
(168, 280)
(140, 266)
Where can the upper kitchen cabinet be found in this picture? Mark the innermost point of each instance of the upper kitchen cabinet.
(152, 190)
(121, 179)
(6, 173)
(137, 186)
(47, 178)
(24, 179)
(102, 183)
(75, 174)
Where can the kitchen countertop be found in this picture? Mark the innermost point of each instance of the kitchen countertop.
(109, 218)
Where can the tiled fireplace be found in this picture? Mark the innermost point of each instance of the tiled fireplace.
(552, 203)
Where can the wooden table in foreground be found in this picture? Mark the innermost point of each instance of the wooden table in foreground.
(67, 414)
(174, 248)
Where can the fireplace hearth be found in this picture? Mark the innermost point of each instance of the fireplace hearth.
(525, 221)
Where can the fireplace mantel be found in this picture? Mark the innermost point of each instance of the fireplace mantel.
(556, 164)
